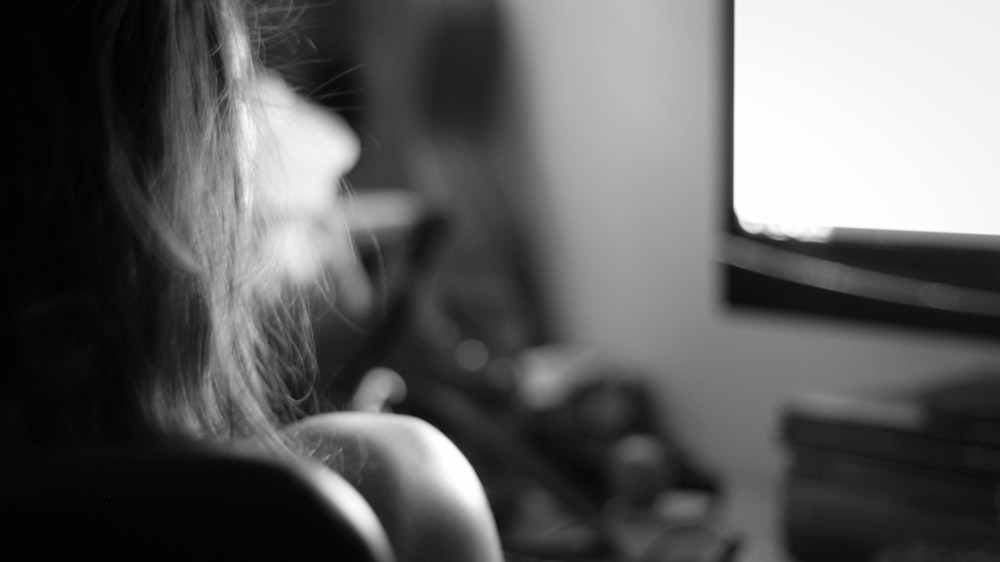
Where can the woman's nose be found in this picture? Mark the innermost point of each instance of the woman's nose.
(327, 142)
(306, 150)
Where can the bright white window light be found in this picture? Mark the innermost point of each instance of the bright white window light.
(867, 114)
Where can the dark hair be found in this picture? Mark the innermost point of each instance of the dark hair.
(133, 311)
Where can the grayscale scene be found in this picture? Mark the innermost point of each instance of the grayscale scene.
(502, 281)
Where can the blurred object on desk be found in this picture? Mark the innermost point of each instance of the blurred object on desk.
(599, 416)
(870, 472)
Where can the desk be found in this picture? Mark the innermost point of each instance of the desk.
(752, 511)
(749, 511)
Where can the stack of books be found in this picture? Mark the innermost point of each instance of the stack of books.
(867, 474)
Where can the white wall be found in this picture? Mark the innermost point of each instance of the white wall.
(618, 104)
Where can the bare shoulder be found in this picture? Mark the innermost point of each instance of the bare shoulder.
(420, 485)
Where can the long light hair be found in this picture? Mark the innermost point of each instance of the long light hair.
(134, 312)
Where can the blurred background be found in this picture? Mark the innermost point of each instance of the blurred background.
(542, 188)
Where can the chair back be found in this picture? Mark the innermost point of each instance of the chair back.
(181, 500)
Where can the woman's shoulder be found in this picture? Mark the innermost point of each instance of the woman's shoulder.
(422, 488)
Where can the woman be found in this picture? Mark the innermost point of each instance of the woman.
(152, 296)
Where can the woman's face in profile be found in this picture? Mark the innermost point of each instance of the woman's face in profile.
(301, 152)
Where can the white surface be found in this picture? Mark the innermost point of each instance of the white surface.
(870, 114)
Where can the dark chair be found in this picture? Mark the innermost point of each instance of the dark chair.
(180, 501)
